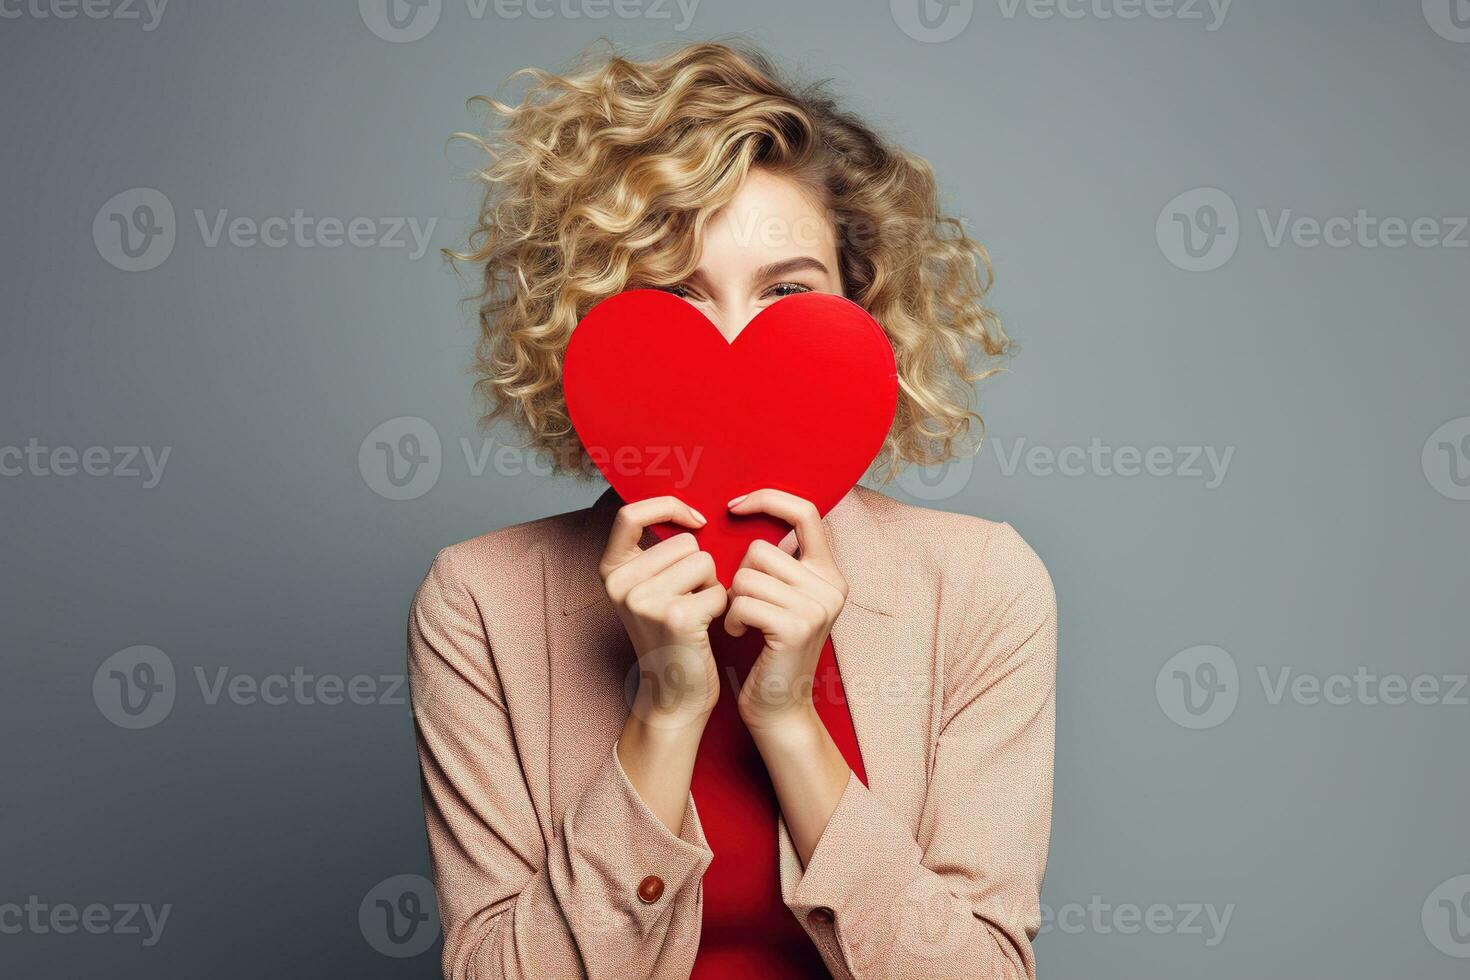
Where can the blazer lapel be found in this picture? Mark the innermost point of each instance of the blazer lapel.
(884, 659)
(591, 664)
(589, 658)
(864, 633)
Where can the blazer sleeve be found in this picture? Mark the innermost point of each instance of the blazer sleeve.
(514, 904)
(961, 899)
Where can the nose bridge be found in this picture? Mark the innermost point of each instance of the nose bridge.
(731, 318)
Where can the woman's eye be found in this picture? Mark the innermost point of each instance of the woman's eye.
(789, 289)
(677, 290)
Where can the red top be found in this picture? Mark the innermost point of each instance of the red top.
(747, 930)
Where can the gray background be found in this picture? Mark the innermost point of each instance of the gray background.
(1330, 832)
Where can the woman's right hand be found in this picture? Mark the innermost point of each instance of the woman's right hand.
(666, 597)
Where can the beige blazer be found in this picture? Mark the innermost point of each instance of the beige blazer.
(547, 863)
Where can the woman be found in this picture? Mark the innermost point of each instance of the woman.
(841, 765)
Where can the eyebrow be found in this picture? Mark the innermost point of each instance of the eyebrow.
(802, 263)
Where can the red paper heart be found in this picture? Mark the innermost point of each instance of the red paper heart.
(801, 402)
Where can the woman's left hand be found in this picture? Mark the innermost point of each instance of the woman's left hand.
(793, 602)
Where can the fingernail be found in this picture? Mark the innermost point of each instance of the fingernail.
(737, 500)
(698, 516)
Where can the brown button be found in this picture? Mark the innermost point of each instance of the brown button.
(651, 889)
(820, 916)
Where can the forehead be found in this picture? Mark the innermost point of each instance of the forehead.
(770, 218)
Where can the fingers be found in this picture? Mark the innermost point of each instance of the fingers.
(800, 514)
(710, 601)
(647, 564)
(817, 603)
(747, 611)
(764, 557)
(631, 521)
(761, 585)
(688, 574)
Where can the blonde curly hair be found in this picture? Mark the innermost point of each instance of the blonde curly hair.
(605, 178)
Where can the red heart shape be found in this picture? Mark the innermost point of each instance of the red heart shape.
(801, 401)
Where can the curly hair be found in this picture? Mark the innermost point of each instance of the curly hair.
(606, 177)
